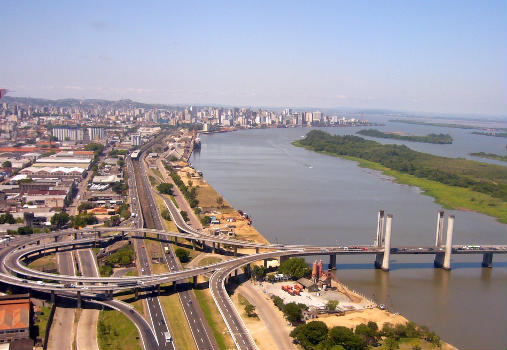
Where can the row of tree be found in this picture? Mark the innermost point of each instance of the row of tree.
(315, 335)
(430, 138)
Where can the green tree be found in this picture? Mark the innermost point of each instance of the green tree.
(258, 272)
(220, 202)
(391, 343)
(373, 325)
(166, 215)
(59, 220)
(332, 304)
(366, 333)
(295, 268)
(310, 334)
(184, 215)
(292, 312)
(165, 188)
(205, 220)
(182, 254)
(6, 164)
(250, 310)
(7, 218)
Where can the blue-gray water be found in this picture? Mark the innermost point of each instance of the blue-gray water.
(299, 196)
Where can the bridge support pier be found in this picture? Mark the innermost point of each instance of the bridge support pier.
(332, 262)
(380, 228)
(378, 260)
(236, 273)
(175, 240)
(99, 234)
(75, 235)
(56, 238)
(79, 300)
(448, 243)
(387, 243)
(265, 263)
(440, 228)
(214, 248)
(247, 269)
(218, 247)
(194, 281)
(109, 294)
(235, 250)
(256, 250)
(157, 287)
(487, 260)
(56, 249)
(53, 297)
(144, 234)
(136, 293)
(38, 242)
(193, 245)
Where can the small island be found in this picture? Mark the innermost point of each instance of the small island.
(430, 138)
(490, 133)
(482, 187)
(489, 156)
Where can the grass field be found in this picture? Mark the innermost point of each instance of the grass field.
(46, 263)
(175, 317)
(209, 260)
(115, 331)
(212, 315)
(42, 321)
(131, 299)
(450, 197)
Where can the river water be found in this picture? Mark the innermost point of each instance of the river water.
(301, 197)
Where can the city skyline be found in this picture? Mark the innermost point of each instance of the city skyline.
(433, 57)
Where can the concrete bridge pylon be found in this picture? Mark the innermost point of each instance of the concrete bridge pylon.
(380, 229)
(443, 259)
(440, 228)
(387, 243)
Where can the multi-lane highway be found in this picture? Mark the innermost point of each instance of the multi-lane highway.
(152, 219)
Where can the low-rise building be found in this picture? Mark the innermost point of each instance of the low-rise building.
(15, 317)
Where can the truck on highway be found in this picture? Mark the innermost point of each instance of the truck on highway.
(168, 337)
(166, 250)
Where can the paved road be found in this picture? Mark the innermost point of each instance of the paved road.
(61, 333)
(274, 322)
(86, 335)
(232, 319)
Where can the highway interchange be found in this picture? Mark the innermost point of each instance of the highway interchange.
(94, 289)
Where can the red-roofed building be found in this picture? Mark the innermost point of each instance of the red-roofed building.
(15, 317)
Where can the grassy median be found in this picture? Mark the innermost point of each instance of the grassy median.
(115, 331)
(215, 321)
(176, 319)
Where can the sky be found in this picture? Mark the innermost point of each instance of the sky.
(429, 56)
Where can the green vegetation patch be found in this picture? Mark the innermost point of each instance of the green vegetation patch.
(490, 133)
(209, 261)
(430, 138)
(455, 182)
(214, 319)
(115, 331)
(42, 321)
(489, 156)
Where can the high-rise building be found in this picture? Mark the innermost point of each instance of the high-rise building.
(68, 133)
(96, 133)
(136, 139)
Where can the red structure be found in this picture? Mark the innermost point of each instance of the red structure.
(319, 276)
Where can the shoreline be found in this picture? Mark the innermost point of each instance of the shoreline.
(370, 313)
(449, 197)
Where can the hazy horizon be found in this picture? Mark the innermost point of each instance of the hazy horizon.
(432, 57)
